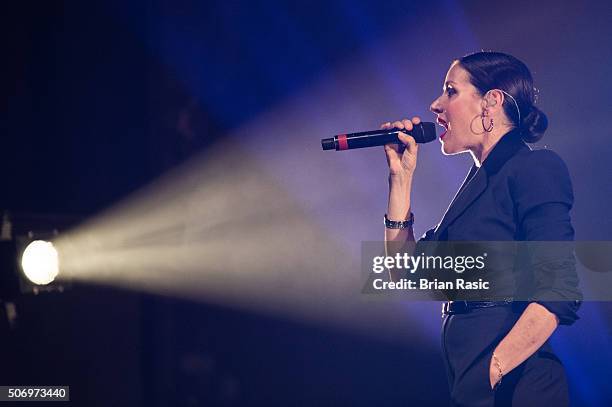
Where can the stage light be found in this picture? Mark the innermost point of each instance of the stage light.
(40, 262)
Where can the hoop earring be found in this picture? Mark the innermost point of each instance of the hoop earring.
(487, 129)
(472, 125)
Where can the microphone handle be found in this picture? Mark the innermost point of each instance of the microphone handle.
(361, 140)
(371, 138)
(422, 133)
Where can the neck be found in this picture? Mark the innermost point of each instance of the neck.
(481, 151)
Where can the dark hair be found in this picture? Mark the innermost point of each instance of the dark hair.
(496, 70)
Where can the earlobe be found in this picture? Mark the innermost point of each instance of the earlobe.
(484, 105)
(485, 114)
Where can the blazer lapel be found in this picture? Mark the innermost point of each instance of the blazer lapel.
(509, 145)
(464, 197)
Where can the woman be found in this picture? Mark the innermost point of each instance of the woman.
(495, 353)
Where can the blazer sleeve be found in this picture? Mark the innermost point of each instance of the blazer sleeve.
(543, 196)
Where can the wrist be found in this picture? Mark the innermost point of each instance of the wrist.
(496, 371)
(402, 178)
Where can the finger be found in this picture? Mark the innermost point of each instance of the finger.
(386, 125)
(394, 148)
(416, 120)
(404, 138)
(408, 141)
(407, 124)
(398, 125)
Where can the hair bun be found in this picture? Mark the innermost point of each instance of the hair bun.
(534, 125)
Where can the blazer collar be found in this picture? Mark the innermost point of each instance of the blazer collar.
(509, 145)
(476, 180)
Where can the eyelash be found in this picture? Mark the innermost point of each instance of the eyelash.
(450, 92)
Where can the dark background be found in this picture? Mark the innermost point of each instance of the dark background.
(99, 98)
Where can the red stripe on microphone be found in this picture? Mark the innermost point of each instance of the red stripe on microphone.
(342, 142)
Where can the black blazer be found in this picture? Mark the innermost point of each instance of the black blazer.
(517, 194)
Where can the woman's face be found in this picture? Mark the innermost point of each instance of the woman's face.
(458, 110)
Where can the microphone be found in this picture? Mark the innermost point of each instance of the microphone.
(423, 132)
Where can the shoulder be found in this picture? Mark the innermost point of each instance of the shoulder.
(539, 176)
(540, 161)
(539, 168)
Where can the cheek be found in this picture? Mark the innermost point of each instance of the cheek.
(462, 125)
(463, 115)
(463, 110)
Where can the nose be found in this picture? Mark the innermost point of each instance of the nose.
(436, 107)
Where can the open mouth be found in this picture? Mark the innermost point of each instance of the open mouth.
(442, 123)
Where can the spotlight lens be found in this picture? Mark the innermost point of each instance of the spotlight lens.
(40, 262)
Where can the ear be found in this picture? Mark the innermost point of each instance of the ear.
(493, 101)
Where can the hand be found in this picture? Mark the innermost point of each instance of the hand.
(402, 158)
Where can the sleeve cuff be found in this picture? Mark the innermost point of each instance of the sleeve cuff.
(566, 311)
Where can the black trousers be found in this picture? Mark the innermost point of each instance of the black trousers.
(468, 342)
